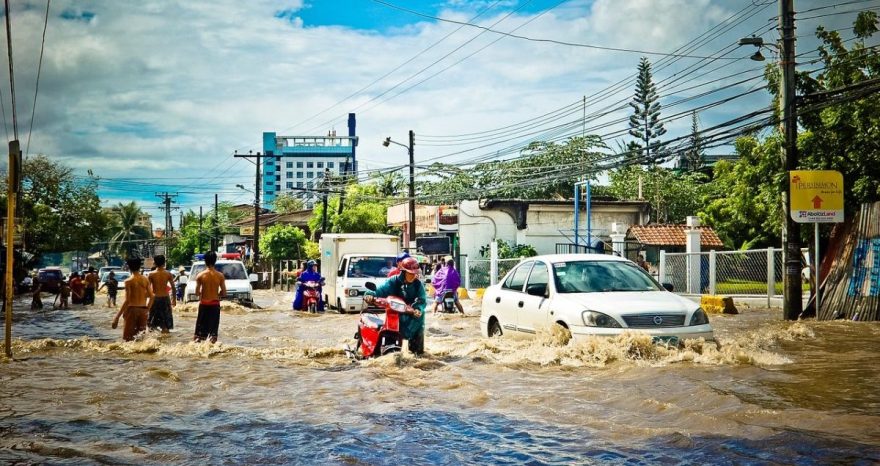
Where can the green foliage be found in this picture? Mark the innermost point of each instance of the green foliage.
(544, 170)
(743, 204)
(283, 242)
(312, 250)
(845, 136)
(672, 197)
(187, 241)
(364, 211)
(125, 228)
(509, 250)
(695, 153)
(645, 124)
(58, 211)
(287, 203)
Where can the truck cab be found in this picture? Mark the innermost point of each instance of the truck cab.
(349, 261)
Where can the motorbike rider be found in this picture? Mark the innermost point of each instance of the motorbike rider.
(310, 274)
(447, 279)
(400, 258)
(407, 286)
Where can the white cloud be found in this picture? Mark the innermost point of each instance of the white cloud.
(171, 88)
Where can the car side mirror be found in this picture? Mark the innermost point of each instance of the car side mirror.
(537, 290)
(253, 277)
(370, 286)
(668, 287)
(340, 273)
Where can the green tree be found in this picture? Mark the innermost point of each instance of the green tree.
(283, 242)
(509, 250)
(286, 203)
(59, 211)
(126, 227)
(672, 197)
(365, 211)
(694, 154)
(645, 124)
(188, 241)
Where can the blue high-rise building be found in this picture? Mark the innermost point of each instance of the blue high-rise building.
(298, 164)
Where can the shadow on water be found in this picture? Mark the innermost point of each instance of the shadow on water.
(408, 437)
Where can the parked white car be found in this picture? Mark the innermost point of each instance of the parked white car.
(589, 294)
(238, 282)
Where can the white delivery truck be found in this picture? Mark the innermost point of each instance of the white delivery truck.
(349, 261)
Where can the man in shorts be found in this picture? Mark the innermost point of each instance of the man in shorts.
(160, 311)
(210, 287)
(135, 307)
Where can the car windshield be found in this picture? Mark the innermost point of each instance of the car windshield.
(601, 276)
(50, 275)
(230, 270)
(370, 266)
(118, 275)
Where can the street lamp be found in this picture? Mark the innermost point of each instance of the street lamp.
(243, 188)
(412, 188)
(793, 291)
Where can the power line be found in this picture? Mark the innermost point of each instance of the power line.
(37, 85)
(532, 39)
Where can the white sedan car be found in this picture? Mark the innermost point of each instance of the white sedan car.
(589, 294)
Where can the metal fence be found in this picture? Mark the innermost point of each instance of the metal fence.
(754, 272)
(478, 272)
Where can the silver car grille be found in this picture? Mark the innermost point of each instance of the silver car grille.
(654, 320)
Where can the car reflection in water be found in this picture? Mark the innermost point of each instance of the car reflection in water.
(589, 294)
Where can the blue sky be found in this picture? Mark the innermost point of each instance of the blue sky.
(156, 95)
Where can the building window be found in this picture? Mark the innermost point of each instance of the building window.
(290, 174)
(310, 175)
(277, 177)
(289, 164)
(289, 184)
(320, 174)
(329, 164)
(309, 185)
(310, 165)
(299, 165)
(299, 184)
(299, 174)
(269, 183)
(320, 164)
(277, 187)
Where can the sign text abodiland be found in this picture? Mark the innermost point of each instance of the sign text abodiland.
(816, 196)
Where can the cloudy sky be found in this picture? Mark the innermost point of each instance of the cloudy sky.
(156, 95)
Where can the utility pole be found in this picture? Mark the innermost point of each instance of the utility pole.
(199, 241)
(257, 187)
(791, 236)
(167, 200)
(216, 229)
(12, 190)
(326, 188)
(412, 188)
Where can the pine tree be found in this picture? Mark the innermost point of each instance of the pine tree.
(693, 156)
(645, 122)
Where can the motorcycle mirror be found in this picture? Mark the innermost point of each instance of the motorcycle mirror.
(370, 286)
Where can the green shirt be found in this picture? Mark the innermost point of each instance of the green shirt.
(412, 294)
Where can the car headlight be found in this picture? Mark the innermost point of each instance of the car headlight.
(597, 319)
(699, 317)
(352, 292)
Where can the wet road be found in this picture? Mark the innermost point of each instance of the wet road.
(278, 388)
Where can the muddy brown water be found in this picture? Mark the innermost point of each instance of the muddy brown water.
(278, 388)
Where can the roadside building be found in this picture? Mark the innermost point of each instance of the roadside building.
(297, 165)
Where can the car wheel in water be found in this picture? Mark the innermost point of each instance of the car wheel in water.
(494, 329)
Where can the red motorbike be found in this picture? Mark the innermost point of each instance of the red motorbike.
(377, 336)
(311, 296)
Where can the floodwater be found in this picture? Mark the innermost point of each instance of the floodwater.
(278, 388)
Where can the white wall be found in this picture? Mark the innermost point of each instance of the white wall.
(479, 227)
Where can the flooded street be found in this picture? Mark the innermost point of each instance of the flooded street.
(278, 388)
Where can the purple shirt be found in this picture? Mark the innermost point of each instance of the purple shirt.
(446, 279)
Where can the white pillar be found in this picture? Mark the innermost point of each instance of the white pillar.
(661, 269)
(465, 267)
(493, 262)
(713, 271)
(771, 274)
(692, 236)
(618, 240)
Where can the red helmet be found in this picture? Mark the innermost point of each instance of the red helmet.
(411, 265)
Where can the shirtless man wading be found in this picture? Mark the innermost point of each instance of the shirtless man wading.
(138, 296)
(160, 311)
(210, 287)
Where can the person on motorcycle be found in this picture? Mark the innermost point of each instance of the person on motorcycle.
(407, 286)
(400, 258)
(447, 279)
(310, 274)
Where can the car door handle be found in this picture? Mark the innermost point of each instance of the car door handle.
(520, 304)
(498, 299)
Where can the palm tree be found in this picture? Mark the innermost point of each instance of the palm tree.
(126, 227)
